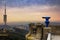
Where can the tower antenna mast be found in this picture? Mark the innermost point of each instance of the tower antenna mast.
(5, 16)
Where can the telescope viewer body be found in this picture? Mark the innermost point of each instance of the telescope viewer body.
(46, 20)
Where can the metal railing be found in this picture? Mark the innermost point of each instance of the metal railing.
(49, 36)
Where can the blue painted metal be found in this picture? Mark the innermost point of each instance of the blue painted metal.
(46, 20)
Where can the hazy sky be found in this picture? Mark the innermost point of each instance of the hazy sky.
(30, 10)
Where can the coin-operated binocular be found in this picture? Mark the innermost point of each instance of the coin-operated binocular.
(46, 28)
(46, 20)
